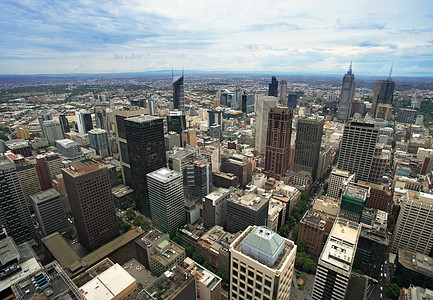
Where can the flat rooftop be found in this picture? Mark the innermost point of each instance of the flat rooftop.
(45, 195)
(81, 167)
(169, 283)
(315, 218)
(356, 192)
(415, 261)
(67, 143)
(143, 118)
(217, 194)
(139, 272)
(251, 201)
(164, 175)
(27, 267)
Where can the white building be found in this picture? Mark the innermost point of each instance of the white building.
(262, 264)
(264, 103)
(336, 260)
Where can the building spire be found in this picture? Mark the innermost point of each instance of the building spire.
(390, 71)
(350, 67)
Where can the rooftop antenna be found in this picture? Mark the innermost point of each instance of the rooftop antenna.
(390, 71)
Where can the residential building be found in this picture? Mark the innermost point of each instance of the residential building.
(262, 265)
(336, 261)
(89, 192)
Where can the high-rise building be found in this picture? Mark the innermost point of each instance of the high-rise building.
(308, 141)
(273, 87)
(346, 96)
(292, 100)
(101, 117)
(84, 121)
(98, 139)
(215, 116)
(336, 261)
(208, 284)
(278, 141)
(176, 122)
(166, 199)
(414, 227)
(146, 150)
(122, 144)
(14, 213)
(64, 124)
(383, 93)
(52, 130)
(263, 105)
(245, 210)
(262, 265)
(198, 178)
(215, 207)
(41, 119)
(89, 191)
(335, 183)
(69, 149)
(357, 149)
(282, 92)
(251, 102)
(237, 99)
(353, 198)
(178, 94)
(49, 211)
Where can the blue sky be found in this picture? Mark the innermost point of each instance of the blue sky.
(55, 37)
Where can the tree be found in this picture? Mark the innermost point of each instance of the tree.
(393, 290)
(302, 246)
(130, 214)
(291, 221)
(295, 232)
(70, 233)
(176, 239)
(285, 230)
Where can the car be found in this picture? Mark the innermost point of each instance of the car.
(384, 275)
(381, 274)
(380, 295)
(381, 288)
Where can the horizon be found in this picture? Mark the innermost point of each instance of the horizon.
(281, 37)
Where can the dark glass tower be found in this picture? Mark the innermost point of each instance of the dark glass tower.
(146, 149)
(14, 213)
(346, 96)
(383, 93)
(308, 140)
(64, 124)
(278, 138)
(273, 87)
(292, 100)
(178, 94)
(176, 122)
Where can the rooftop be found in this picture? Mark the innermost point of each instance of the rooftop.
(164, 175)
(264, 239)
(66, 143)
(45, 195)
(170, 283)
(251, 201)
(417, 262)
(97, 131)
(315, 218)
(27, 267)
(143, 119)
(80, 167)
(8, 251)
(356, 192)
(139, 272)
(217, 194)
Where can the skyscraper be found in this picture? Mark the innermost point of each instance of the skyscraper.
(346, 96)
(215, 207)
(166, 199)
(292, 100)
(383, 93)
(176, 122)
(146, 150)
(282, 92)
(98, 139)
(84, 121)
(251, 102)
(278, 140)
(308, 141)
(336, 261)
(92, 206)
(41, 119)
(101, 117)
(262, 264)
(14, 213)
(264, 103)
(64, 124)
(52, 130)
(357, 149)
(273, 87)
(237, 98)
(178, 94)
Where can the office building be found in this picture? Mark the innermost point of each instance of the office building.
(237, 99)
(48, 166)
(384, 111)
(215, 117)
(335, 183)
(198, 178)
(413, 268)
(245, 210)
(292, 100)
(357, 149)
(146, 150)
(19, 147)
(336, 261)
(407, 115)
(251, 103)
(98, 139)
(262, 265)
(59, 186)
(208, 284)
(273, 87)
(282, 93)
(49, 211)
(166, 199)
(23, 133)
(41, 119)
(353, 198)
(346, 96)
(414, 227)
(380, 195)
(178, 93)
(236, 167)
(309, 133)
(101, 118)
(69, 149)
(383, 93)
(278, 137)
(84, 121)
(263, 105)
(224, 180)
(89, 192)
(215, 207)
(176, 122)
(122, 144)
(14, 213)
(52, 130)
(64, 124)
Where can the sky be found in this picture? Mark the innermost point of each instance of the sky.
(296, 37)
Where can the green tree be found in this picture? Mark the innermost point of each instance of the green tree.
(285, 230)
(176, 239)
(295, 232)
(291, 221)
(302, 246)
(130, 214)
(309, 265)
(70, 233)
(393, 290)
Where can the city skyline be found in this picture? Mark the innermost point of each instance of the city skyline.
(77, 37)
